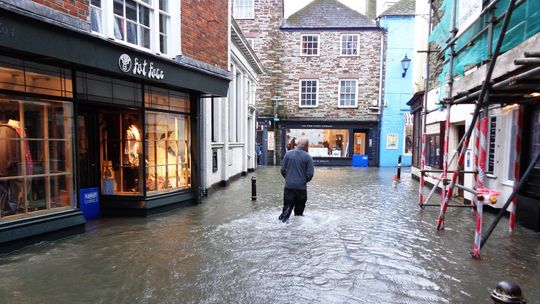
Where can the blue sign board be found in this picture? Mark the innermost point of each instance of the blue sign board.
(89, 202)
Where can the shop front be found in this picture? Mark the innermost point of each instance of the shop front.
(333, 143)
(89, 115)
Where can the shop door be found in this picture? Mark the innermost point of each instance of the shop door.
(360, 143)
(88, 148)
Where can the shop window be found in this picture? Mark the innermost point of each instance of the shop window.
(408, 139)
(36, 159)
(109, 90)
(168, 146)
(310, 45)
(322, 142)
(29, 77)
(347, 93)
(433, 155)
(349, 45)
(163, 99)
(308, 93)
(243, 9)
(120, 153)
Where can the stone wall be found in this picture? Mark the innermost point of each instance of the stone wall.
(264, 30)
(329, 67)
(205, 31)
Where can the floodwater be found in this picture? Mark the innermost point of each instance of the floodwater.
(360, 241)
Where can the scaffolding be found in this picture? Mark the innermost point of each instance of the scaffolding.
(472, 47)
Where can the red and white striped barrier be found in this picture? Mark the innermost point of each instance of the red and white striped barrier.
(480, 187)
(517, 147)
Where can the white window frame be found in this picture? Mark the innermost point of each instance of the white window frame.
(247, 4)
(316, 94)
(302, 45)
(355, 105)
(356, 49)
(173, 27)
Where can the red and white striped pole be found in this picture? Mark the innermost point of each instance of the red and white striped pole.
(480, 187)
(517, 147)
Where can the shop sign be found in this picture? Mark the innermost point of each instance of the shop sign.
(6, 30)
(433, 128)
(140, 67)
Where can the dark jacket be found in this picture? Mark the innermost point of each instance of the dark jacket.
(297, 169)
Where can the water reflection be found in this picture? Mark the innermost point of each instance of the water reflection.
(360, 241)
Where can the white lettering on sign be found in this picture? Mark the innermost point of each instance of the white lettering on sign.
(140, 67)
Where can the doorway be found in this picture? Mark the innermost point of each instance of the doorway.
(461, 175)
(360, 143)
(87, 129)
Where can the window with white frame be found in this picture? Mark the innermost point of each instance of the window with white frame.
(310, 45)
(308, 93)
(142, 23)
(243, 9)
(349, 45)
(347, 93)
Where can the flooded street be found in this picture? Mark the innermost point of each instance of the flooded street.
(360, 241)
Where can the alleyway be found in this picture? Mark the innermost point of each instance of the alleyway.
(360, 241)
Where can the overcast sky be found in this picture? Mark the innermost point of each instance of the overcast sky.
(292, 6)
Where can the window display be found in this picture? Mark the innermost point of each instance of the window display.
(121, 150)
(36, 171)
(322, 142)
(168, 146)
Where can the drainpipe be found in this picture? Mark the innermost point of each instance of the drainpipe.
(381, 101)
(202, 146)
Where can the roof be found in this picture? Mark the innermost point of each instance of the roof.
(328, 14)
(402, 8)
(240, 41)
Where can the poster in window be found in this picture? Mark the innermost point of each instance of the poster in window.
(271, 140)
(391, 141)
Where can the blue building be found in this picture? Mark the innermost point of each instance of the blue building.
(396, 122)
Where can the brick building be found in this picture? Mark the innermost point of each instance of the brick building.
(324, 67)
(100, 107)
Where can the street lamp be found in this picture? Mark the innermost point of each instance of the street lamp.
(405, 62)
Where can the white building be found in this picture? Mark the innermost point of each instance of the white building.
(230, 149)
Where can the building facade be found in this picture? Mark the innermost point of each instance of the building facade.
(509, 111)
(396, 121)
(101, 106)
(324, 79)
(231, 121)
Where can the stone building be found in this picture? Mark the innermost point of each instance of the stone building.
(101, 109)
(324, 81)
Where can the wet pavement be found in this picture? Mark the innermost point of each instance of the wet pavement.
(360, 241)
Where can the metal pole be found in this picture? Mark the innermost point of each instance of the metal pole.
(399, 167)
(510, 198)
(424, 119)
(253, 188)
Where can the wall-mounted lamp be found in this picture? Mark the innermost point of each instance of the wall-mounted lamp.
(405, 62)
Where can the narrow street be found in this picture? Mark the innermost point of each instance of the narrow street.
(360, 241)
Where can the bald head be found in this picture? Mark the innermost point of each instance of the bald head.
(303, 143)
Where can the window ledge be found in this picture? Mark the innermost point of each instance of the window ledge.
(491, 175)
(508, 183)
(348, 107)
(236, 144)
(308, 107)
(304, 55)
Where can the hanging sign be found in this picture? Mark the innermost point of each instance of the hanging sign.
(271, 139)
(140, 67)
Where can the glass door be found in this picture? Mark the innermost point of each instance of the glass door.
(360, 143)
(87, 128)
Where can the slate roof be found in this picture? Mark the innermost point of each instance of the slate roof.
(402, 8)
(328, 14)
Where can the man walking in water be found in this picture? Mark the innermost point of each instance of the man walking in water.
(297, 169)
